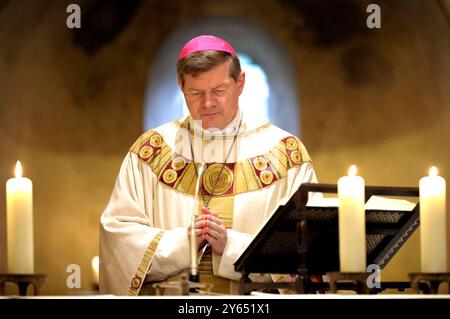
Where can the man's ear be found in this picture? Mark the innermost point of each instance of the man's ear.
(241, 82)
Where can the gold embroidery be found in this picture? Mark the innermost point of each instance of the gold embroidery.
(170, 176)
(266, 177)
(156, 140)
(278, 160)
(155, 156)
(291, 144)
(223, 205)
(136, 282)
(187, 181)
(140, 141)
(145, 152)
(165, 156)
(237, 178)
(142, 269)
(161, 160)
(296, 157)
(249, 179)
(260, 163)
(224, 181)
(178, 163)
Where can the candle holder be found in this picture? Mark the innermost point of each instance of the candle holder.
(428, 283)
(184, 286)
(95, 287)
(22, 281)
(357, 281)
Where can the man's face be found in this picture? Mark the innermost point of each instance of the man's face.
(212, 96)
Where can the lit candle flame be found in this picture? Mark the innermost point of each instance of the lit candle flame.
(433, 171)
(18, 169)
(352, 170)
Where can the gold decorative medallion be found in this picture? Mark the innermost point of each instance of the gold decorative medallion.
(136, 282)
(170, 176)
(156, 141)
(260, 163)
(266, 177)
(296, 157)
(145, 152)
(291, 144)
(178, 163)
(224, 181)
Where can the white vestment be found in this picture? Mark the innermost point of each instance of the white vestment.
(144, 226)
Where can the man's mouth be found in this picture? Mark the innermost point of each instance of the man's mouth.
(210, 114)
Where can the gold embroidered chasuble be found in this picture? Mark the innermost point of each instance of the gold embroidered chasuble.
(143, 228)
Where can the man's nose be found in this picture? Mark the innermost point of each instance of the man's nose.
(208, 101)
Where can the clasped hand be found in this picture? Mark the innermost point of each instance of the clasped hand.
(209, 228)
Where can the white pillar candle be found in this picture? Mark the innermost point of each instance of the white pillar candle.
(19, 223)
(352, 223)
(95, 263)
(433, 238)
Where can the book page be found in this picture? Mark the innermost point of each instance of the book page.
(384, 203)
(374, 203)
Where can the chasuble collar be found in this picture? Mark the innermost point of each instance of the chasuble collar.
(246, 175)
(230, 129)
(249, 126)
